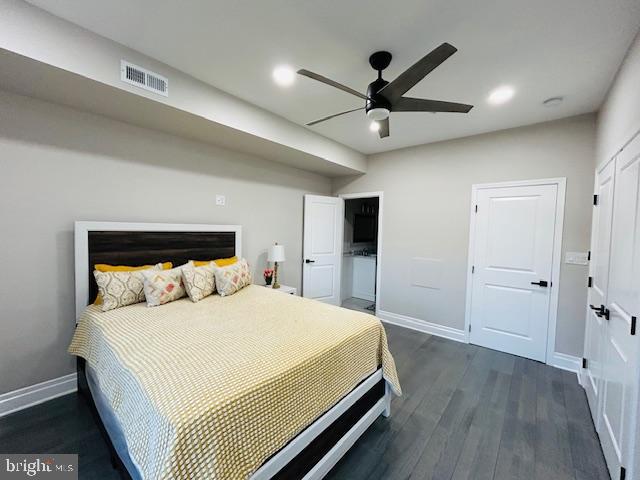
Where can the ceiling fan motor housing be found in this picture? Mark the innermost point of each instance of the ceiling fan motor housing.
(376, 103)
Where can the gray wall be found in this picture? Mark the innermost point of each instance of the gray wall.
(59, 165)
(426, 213)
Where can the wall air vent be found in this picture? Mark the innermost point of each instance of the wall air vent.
(143, 78)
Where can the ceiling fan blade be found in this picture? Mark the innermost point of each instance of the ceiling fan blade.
(406, 104)
(417, 72)
(333, 116)
(328, 81)
(384, 128)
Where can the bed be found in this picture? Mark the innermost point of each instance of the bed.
(255, 385)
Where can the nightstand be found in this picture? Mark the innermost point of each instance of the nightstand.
(284, 289)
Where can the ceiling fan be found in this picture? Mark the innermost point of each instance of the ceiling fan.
(383, 97)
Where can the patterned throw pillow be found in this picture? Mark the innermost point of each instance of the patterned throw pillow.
(163, 286)
(232, 278)
(105, 267)
(199, 282)
(121, 288)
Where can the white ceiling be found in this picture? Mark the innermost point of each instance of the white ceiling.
(543, 48)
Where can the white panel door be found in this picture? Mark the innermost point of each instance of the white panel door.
(620, 385)
(513, 258)
(322, 249)
(599, 272)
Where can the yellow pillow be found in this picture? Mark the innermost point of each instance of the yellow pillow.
(104, 267)
(221, 262)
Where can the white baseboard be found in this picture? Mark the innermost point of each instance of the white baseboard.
(41, 392)
(423, 326)
(565, 362)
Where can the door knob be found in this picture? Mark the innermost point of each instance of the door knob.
(309, 261)
(542, 283)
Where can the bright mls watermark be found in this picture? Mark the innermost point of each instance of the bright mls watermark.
(45, 466)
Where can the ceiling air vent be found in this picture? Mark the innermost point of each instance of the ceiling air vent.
(143, 78)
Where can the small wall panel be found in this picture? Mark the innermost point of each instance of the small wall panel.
(426, 272)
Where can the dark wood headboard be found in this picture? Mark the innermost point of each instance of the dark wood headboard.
(145, 244)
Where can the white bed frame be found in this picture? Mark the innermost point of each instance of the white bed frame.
(295, 446)
(327, 462)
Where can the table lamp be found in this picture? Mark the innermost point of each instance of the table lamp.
(276, 254)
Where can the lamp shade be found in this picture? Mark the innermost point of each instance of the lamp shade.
(276, 253)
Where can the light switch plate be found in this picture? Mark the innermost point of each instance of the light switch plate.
(576, 258)
(221, 200)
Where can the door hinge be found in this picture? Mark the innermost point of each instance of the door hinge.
(584, 363)
(589, 255)
(473, 269)
(469, 327)
(623, 473)
(476, 208)
(634, 320)
(595, 200)
(590, 282)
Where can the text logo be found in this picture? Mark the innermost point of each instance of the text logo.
(35, 466)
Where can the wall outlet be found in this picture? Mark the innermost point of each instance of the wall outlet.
(221, 200)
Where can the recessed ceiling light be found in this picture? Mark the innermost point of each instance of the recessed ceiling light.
(284, 75)
(553, 101)
(374, 126)
(501, 95)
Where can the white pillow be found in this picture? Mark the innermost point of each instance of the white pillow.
(232, 278)
(119, 289)
(163, 286)
(199, 282)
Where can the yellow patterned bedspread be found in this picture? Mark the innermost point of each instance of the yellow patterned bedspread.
(213, 389)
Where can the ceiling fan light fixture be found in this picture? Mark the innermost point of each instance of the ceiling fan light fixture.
(378, 113)
(374, 126)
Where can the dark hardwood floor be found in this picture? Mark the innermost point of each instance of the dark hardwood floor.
(466, 413)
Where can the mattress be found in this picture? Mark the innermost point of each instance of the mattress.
(111, 424)
(213, 389)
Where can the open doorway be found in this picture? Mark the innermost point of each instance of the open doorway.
(360, 252)
(342, 250)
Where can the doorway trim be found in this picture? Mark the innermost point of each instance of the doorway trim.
(380, 195)
(561, 183)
